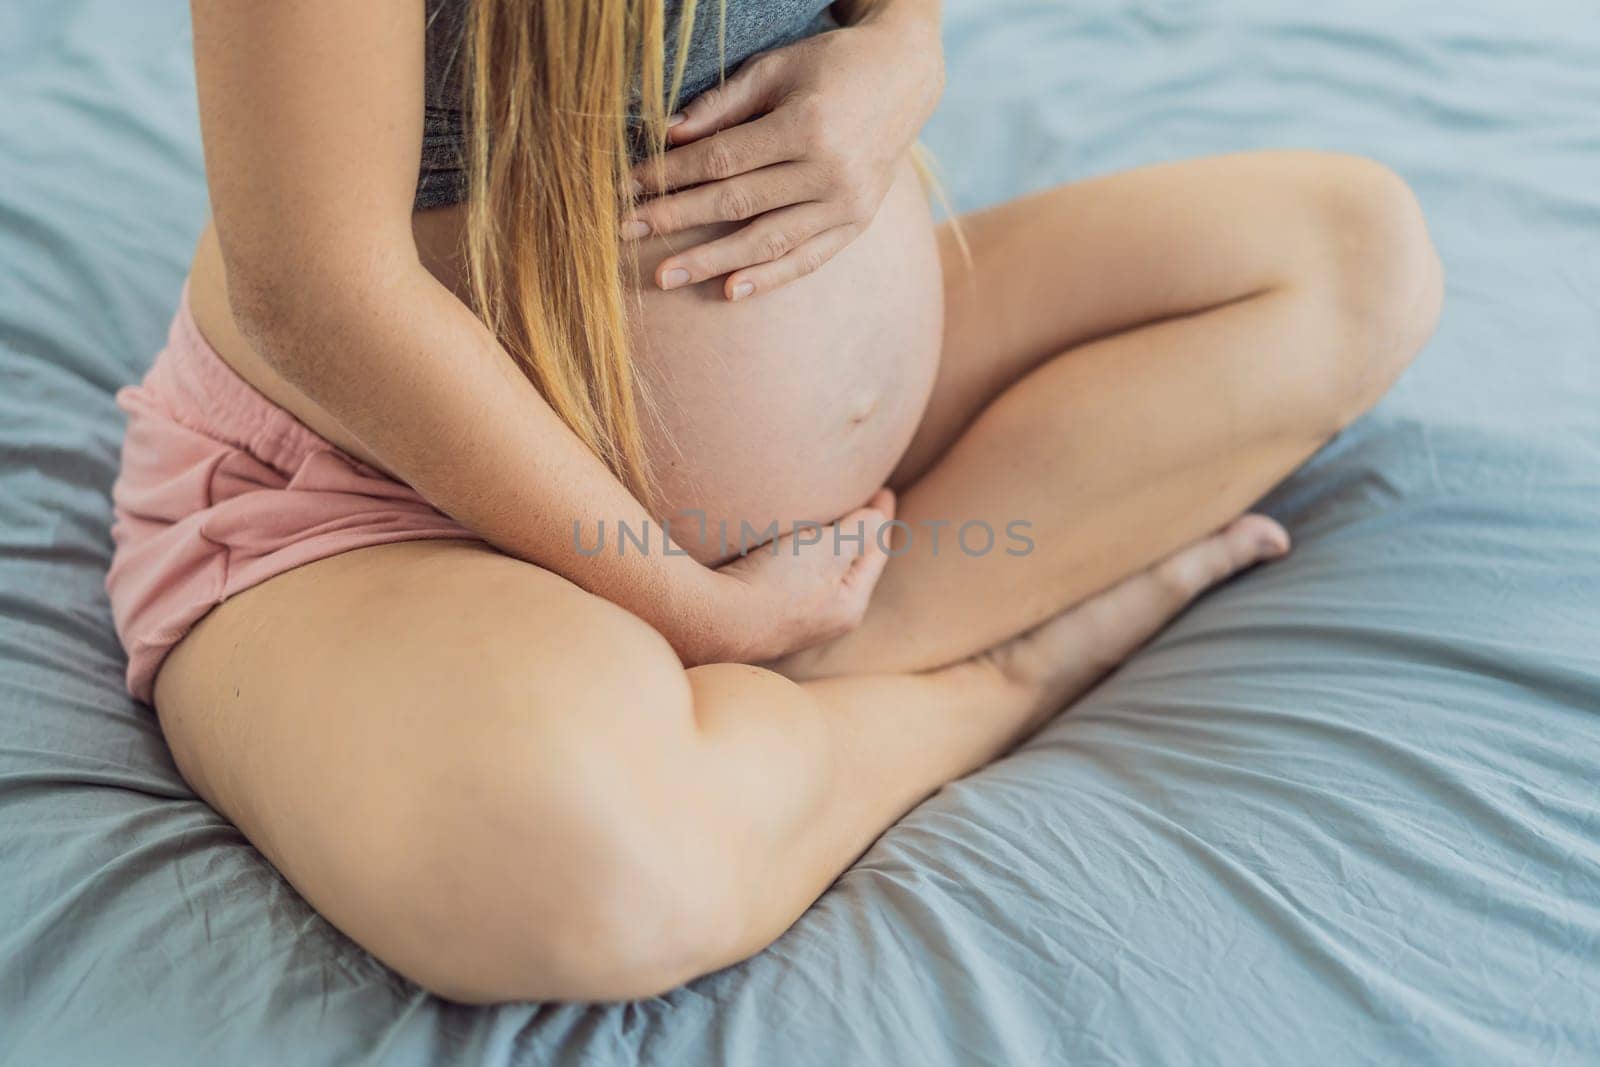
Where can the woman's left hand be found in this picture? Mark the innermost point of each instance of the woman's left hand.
(803, 142)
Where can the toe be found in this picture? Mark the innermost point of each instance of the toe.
(1246, 541)
(1255, 539)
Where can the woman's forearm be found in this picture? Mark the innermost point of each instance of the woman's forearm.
(407, 368)
(917, 22)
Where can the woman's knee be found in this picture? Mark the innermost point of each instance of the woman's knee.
(556, 857)
(1379, 275)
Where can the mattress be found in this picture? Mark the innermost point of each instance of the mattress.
(1345, 810)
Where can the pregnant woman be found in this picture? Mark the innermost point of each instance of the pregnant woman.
(370, 567)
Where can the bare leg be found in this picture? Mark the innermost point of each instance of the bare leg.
(509, 789)
(1131, 362)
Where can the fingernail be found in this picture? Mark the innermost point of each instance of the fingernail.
(742, 290)
(675, 277)
(633, 229)
(677, 120)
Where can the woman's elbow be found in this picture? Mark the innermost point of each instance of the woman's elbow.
(289, 309)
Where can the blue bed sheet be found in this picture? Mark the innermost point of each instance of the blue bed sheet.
(1344, 811)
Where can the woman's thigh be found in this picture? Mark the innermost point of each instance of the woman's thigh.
(428, 740)
(1130, 362)
(1055, 269)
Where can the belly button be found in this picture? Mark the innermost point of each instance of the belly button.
(862, 409)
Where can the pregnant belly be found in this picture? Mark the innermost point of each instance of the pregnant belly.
(794, 405)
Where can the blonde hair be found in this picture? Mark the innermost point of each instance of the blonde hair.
(547, 88)
(548, 84)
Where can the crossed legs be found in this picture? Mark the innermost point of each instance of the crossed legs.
(509, 789)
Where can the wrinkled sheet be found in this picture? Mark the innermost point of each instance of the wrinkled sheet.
(1345, 810)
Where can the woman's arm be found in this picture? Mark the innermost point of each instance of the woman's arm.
(312, 118)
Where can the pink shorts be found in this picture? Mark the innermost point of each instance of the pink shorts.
(221, 489)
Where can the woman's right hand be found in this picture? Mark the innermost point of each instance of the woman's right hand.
(796, 592)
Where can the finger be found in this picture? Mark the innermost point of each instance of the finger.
(861, 581)
(733, 200)
(867, 567)
(768, 237)
(748, 93)
(856, 538)
(739, 150)
(797, 263)
(857, 533)
(884, 500)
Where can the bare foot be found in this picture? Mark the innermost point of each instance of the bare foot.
(1063, 656)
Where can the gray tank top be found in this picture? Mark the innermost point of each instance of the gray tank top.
(752, 26)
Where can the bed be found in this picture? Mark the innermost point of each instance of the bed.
(1345, 810)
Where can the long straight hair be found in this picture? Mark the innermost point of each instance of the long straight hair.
(547, 91)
